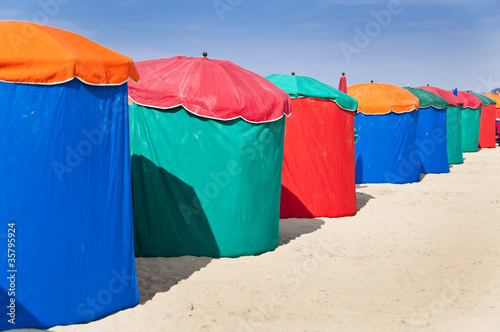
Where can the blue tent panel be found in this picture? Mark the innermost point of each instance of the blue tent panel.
(386, 150)
(432, 140)
(65, 181)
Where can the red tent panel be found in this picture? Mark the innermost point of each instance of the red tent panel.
(318, 166)
(487, 127)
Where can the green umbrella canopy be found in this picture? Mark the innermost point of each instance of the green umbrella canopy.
(428, 99)
(485, 100)
(302, 86)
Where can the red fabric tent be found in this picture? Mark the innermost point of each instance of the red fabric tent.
(319, 146)
(487, 123)
(318, 164)
(487, 136)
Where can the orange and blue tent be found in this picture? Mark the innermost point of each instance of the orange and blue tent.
(65, 189)
(386, 124)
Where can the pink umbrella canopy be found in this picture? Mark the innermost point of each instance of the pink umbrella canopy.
(343, 84)
(469, 100)
(215, 89)
(445, 94)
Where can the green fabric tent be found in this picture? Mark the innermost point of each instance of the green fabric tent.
(471, 119)
(204, 187)
(454, 134)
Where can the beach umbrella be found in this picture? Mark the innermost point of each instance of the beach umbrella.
(386, 122)
(65, 193)
(471, 118)
(487, 122)
(318, 166)
(431, 131)
(207, 152)
(453, 124)
(496, 98)
(343, 83)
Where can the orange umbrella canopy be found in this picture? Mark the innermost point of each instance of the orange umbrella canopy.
(496, 98)
(34, 53)
(382, 98)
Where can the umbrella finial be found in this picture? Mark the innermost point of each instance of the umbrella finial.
(293, 73)
(205, 54)
(427, 84)
(343, 74)
(372, 81)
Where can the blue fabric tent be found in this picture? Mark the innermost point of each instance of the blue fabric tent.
(66, 213)
(66, 187)
(386, 150)
(431, 132)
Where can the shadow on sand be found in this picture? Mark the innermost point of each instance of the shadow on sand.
(292, 228)
(159, 274)
(361, 198)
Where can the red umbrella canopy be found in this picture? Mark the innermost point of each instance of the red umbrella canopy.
(469, 100)
(343, 84)
(445, 94)
(215, 89)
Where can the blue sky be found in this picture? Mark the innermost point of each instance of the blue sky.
(444, 43)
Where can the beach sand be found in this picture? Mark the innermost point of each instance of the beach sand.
(416, 257)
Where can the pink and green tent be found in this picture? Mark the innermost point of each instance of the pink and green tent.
(207, 152)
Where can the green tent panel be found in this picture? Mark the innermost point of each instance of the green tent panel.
(203, 186)
(471, 119)
(454, 134)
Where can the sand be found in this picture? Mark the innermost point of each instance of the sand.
(416, 257)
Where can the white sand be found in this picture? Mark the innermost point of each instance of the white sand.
(417, 257)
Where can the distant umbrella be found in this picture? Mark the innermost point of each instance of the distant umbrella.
(343, 84)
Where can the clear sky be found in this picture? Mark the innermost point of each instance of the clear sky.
(446, 43)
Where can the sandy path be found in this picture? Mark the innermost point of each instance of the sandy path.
(418, 257)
